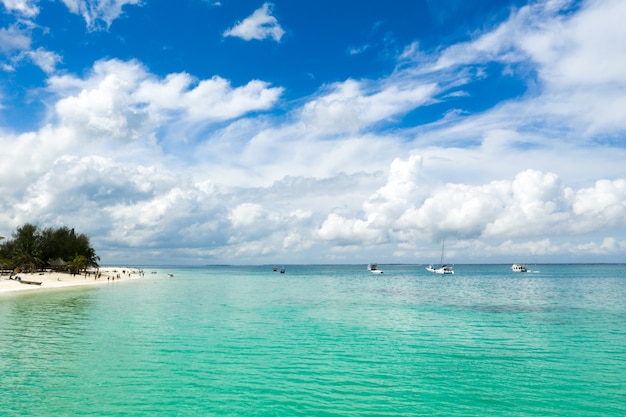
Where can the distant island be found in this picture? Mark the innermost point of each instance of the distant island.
(31, 249)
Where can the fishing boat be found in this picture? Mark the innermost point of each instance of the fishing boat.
(442, 268)
(21, 281)
(373, 268)
(519, 268)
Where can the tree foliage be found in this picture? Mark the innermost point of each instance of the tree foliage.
(31, 248)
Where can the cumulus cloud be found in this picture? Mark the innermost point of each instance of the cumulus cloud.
(247, 214)
(122, 100)
(212, 99)
(530, 205)
(104, 107)
(260, 25)
(324, 179)
(345, 231)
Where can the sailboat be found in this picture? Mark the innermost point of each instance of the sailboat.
(442, 268)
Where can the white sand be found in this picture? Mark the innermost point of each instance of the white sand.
(50, 280)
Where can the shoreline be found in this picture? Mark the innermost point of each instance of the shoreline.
(29, 282)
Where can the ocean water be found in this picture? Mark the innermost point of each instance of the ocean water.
(322, 341)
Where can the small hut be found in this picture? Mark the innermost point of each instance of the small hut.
(58, 265)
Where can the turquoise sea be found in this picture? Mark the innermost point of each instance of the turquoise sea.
(331, 340)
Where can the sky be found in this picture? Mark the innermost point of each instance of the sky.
(196, 132)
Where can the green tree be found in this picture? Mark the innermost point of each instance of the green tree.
(78, 263)
(92, 258)
(26, 250)
(4, 256)
(31, 248)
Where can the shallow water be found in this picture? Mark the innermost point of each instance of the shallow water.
(322, 340)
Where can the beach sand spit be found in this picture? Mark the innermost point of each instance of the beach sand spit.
(50, 280)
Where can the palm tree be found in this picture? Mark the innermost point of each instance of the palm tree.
(78, 263)
(92, 258)
(26, 251)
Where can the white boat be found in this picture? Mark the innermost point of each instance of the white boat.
(373, 268)
(519, 268)
(442, 268)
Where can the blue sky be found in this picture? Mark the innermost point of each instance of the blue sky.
(251, 132)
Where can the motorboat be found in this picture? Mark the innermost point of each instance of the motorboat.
(373, 268)
(519, 268)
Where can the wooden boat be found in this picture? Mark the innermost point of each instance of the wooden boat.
(29, 282)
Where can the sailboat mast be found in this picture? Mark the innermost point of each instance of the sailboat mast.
(443, 243)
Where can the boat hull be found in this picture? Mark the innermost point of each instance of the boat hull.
(444, 270)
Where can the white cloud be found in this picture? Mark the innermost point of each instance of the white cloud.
(247, 214)
(533, 204)
(349, 107)
(580, 50)
(358, 50)
(575, 55)
(105, 107)
(322, 179)
(121, 100)
(260, 25)
(45, 60)
(604, 204)
(344, 231)
(12, 39)
(96, 12)
(27, 8)
(212, 99)
(15, 43)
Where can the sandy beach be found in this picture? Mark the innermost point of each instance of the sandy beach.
(51, 280)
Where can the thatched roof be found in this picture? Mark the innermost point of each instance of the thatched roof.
(58, 262)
